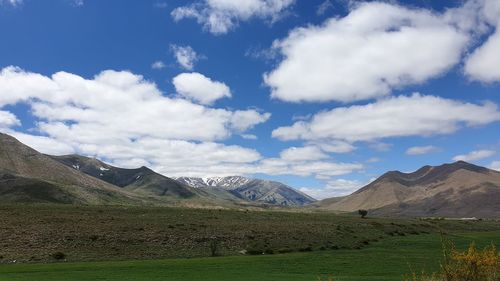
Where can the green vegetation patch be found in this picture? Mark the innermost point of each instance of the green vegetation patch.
(388, 260)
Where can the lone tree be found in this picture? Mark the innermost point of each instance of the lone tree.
(363, 213)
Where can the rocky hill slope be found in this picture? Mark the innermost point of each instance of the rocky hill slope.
(458, 189)
(29, 176)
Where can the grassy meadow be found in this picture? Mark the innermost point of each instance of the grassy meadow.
(389, 259)
(118, 243)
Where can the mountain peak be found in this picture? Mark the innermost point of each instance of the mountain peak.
(258, 190)
(458, 189)
(425, 175)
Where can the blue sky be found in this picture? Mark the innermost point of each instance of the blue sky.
(322, 95)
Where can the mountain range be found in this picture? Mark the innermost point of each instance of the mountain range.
(255, 190)
(27, 175)
(457, 189)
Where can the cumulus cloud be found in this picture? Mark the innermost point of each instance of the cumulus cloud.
(158, 65)
(414, 115)
(243, 120)
(335, 146)
(375, 48)
(221, 16)
(69, 104)
(185, 55)
(306, 153)
(123, 118)
(7, 119)
(474, 155)
(482, 64)
(319, 169)
(334, 188)
(249, 136)
(420, 150)
(42, 143)
(200, 88)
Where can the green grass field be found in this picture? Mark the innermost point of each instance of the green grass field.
(388, 259)
(144, 243)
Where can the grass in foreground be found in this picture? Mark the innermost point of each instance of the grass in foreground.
(389, 259)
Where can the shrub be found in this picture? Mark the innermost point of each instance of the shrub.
(472, 265)
(58, 255)
(469, 265)
(255, 251)
(269, 251)
(306, 249)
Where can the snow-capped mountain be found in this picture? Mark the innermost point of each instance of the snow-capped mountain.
(228, 183)
(257, 190)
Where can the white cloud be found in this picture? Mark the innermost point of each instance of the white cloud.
(185, 55)
(414, 115)
(306, 153)
(69, 104)
(158, 65)
(200, 88)
(41, 143)
(495, 165)
(375, 48)
(335, 188)
(243, 120)
(474, 155)
(78, 3)
(483, 63)
(420, 150)
(249, 136)
(7, 119)
(124, 119)
(221, 16)
(182, 158)
(335, 146)
(318, 169)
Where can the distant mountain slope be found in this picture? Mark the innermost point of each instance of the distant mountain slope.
(459, 189)
(27, 172)
(141, 180)
(255, 190)
(17, 189)
(29, 176)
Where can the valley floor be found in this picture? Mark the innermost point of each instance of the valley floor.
(387, 260)
(65, 242)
